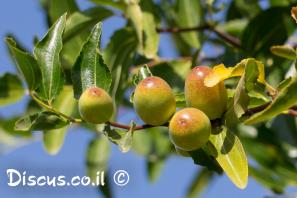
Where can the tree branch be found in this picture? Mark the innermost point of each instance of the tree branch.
(223, 35)
(138, 127)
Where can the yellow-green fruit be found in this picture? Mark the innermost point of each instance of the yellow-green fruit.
(95, 105)
(154, 101)
(189, 129)
(211, 100)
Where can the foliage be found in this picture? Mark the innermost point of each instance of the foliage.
(259, 125)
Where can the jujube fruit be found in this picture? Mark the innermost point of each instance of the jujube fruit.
(211, 100)
(154, 101)
(95, 105)
(189, 129)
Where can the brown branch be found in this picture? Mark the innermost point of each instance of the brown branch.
(223, 35)
(138, 127)
(291, 111)
(254, 110)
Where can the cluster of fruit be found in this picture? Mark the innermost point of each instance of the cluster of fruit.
(154, 102)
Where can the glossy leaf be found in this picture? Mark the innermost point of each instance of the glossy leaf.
(47, 53)
(230, 154)
(53, 140)
(11, 89)
(283, 101)
(45, 120)
(90, 69)
(26, 64)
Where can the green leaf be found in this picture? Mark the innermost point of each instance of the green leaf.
(90, 69)
(174, 72)
(233, 27)
(230, 154)
(151, 37)
(154, 168)
(7, 126)
(260, 35)
(285, 99)
(81, 21)
(143, 73)
(11, 89)
(180, 100)
(240, 101)
(47, 53)
(199, 183)
(125, 143)
(267, 178)
(145, 26)
(97, 156)
(120, 137)
(284, 51)
(26, 64)
(115, 4)
(188, 14)
(119, 55)
(53, 140)
(202, 157)
(58, 8)
(45, 120)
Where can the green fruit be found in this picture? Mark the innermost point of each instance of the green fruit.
(95, 105)
(189, 129)
(211, 100)
(154, 101)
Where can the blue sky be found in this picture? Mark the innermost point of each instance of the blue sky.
(25, 20)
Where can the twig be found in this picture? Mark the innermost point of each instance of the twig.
(138, 127)
(223, 35)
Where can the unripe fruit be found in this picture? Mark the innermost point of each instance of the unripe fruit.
(189, 129)
(154, 101)
(95, 105)
(211, 100)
